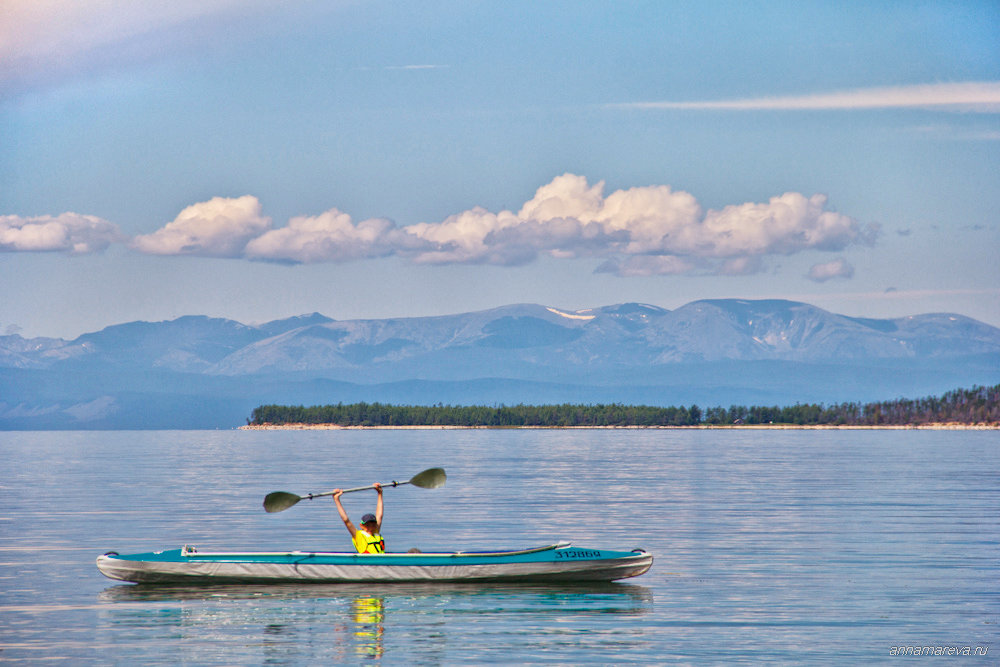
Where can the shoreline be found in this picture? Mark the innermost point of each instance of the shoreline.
(950, 426)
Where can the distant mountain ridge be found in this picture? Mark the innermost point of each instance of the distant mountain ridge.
(712, 351)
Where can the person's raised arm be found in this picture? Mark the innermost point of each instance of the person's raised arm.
(337, 493)
(378, 508)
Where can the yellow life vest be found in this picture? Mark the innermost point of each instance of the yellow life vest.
(368, 544)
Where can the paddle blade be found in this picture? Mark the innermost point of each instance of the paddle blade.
(279, 501)
(431, 478)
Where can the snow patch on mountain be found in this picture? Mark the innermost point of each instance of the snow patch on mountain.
(571, 316)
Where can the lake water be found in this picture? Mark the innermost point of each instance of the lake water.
(810, 547)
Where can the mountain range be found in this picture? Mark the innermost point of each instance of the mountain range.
(201, 372)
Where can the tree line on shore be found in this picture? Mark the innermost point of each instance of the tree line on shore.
(979, 405)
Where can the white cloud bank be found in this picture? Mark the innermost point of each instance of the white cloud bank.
(651, 230)
(70, 232)
(980, 96)
(641, 231)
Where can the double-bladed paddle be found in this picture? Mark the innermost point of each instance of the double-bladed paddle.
(278, 501)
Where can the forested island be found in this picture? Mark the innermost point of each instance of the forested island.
(976, 406)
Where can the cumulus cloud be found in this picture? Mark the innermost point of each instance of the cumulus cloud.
(328, 237)
(838, 268)
(980, 96)
(69, 232)
(220, 227)
(463, 238)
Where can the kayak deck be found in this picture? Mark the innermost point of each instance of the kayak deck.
(549, 563)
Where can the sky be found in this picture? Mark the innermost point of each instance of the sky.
(256, 160)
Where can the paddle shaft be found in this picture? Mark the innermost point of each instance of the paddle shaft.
(310, 496)
(279, 501)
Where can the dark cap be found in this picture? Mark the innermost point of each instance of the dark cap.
(368, 517)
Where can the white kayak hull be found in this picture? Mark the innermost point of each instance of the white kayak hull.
(553, 563)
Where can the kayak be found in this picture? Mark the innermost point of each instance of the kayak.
(561, 562)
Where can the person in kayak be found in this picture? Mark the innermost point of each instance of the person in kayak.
(366, 538)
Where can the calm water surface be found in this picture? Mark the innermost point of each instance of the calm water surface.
(829, 547)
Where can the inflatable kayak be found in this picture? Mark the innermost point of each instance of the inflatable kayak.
(560, 562)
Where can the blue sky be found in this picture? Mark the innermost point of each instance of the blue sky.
(257, 160)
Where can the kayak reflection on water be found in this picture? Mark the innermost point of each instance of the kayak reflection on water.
(369, 620)
(347, 623)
